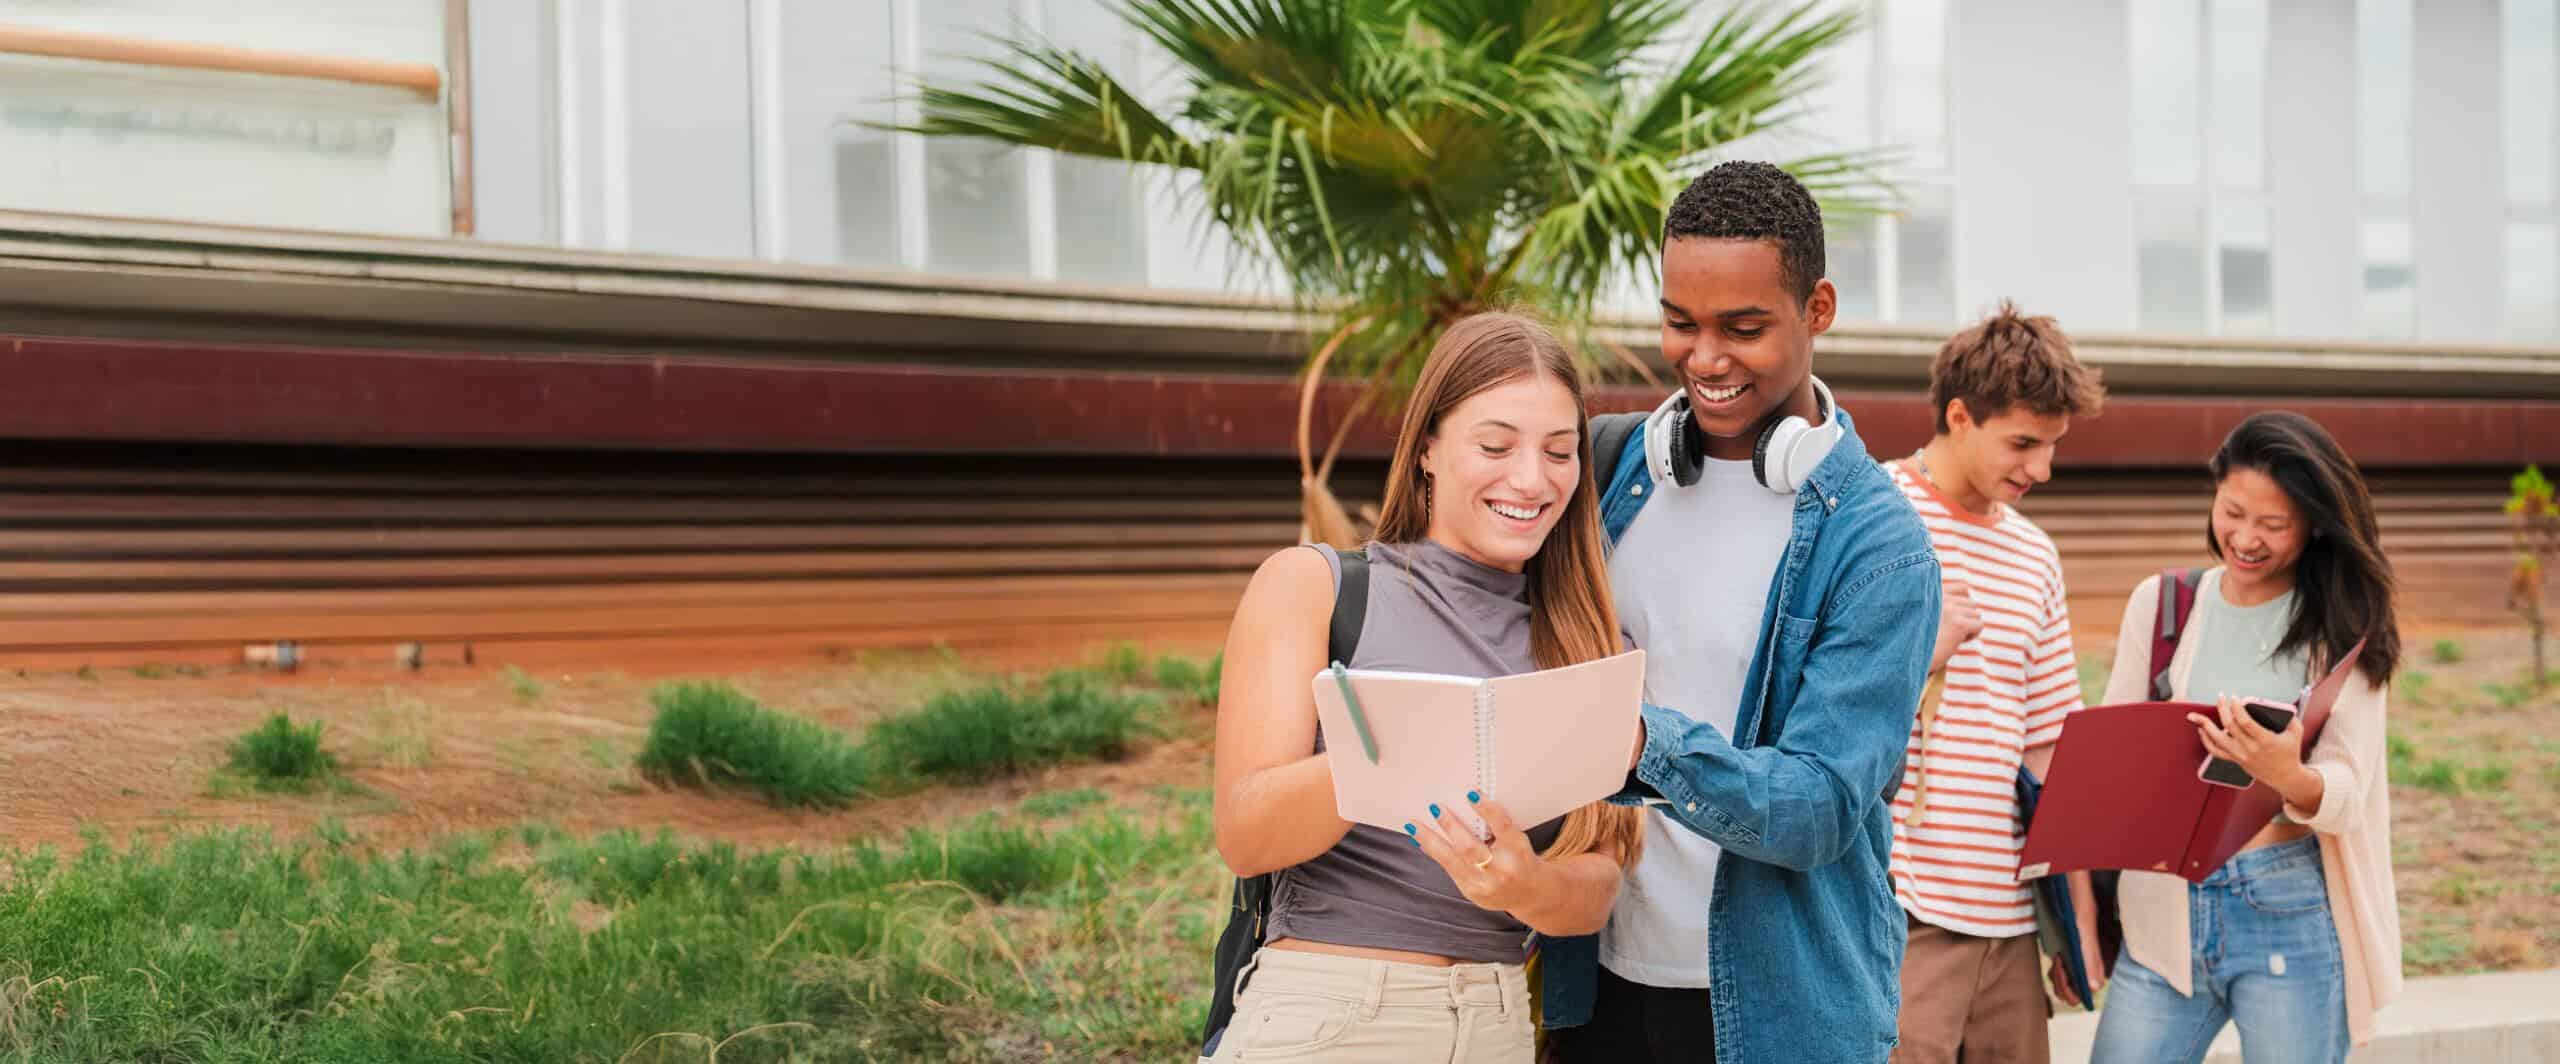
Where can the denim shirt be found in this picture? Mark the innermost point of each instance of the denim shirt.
(1805, 940)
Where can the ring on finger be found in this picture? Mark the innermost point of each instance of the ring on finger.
(1480, 865)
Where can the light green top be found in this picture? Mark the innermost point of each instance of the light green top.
(2238, 656)
(2239, 652)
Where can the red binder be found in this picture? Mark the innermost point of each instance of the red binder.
(2124, 792)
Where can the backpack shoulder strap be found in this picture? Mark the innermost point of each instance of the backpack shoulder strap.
(2177, 603)
(1350, 606)
(1609, 436)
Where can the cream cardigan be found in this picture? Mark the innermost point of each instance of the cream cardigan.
(2353, 822)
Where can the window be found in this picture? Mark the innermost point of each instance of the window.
(942, 204)
(1924, 256)
(2242, 232)
(2169, 252)
(2204, 261)
(2388, 305)
(1915, 248)
(262, 148)
(2530, 67)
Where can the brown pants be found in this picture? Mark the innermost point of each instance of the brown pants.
(1976, 1000)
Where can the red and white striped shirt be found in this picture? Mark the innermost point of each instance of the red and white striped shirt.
(2006, 690)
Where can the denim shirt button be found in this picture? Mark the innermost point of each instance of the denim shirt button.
(1693, 807)
(1637, 489)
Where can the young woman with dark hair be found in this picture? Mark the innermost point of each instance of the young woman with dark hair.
(2297, 939)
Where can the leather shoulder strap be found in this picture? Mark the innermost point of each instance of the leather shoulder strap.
(1350, 606)
(1609, 435)
(2177, 604)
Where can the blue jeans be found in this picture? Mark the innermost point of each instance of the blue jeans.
(2264, 955)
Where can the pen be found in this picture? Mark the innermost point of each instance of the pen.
(1359, 720)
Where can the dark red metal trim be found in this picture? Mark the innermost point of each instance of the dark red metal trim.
(71, 389)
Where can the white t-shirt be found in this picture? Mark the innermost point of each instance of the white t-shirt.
(1691, 577)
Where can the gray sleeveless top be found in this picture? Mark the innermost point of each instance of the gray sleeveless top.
(1431, 609)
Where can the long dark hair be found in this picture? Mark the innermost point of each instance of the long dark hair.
(2342, 584)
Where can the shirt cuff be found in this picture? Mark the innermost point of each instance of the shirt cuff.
(2333, 808)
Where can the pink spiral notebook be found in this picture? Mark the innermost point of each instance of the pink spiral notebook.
(1542, 743)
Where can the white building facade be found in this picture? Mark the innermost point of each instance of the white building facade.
(2316, 169)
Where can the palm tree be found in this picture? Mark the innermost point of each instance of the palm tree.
(1401, 164)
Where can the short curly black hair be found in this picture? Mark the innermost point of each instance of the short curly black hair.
(1754, 201)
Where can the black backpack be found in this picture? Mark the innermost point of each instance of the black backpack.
(1249, 908)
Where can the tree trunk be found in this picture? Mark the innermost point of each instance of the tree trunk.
(2541, 675)
(1321, 518)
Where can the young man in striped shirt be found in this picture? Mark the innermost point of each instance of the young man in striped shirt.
(2005, 392)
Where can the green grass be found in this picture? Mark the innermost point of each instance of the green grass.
(2508, 695)
(2446, 652)
(2437, 949)
(712, 734)
(1001, 728)
(400, 732)
(2460, 888)
(980, 942)
(1059, 803)
(2438, 775)
(1124, 663)
(2093, 680)
(1191, 679)
(522, 683)
(2445, 775)
(280, 755)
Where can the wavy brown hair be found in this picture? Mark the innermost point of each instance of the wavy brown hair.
(1571, 619)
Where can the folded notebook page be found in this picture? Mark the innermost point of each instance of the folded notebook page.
(1542, 743)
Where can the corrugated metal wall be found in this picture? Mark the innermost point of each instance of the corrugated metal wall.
(123, 554)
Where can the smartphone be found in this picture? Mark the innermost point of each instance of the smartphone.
(2271, 715)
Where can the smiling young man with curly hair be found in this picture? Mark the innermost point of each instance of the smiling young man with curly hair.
(1787, 597)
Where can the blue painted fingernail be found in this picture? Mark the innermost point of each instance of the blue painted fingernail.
(1408, 829)
(1417, 842)
(1435, 809)
(1473, 797)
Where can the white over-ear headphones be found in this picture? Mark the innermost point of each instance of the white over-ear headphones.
(1789, 449)
(1787, 452)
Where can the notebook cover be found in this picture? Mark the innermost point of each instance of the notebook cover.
(1425, 727)
(1558, 739)
(2124, 795)
(2121, 793)
(2057, 916)
(1561, 736)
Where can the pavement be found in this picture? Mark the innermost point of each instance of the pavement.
(2460, 1019)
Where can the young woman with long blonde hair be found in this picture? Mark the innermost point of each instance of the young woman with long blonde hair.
(1488, 560)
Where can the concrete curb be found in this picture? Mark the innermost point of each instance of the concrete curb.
(2470, 1019)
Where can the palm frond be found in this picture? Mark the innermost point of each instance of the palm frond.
(1044, 97)
(1750, 63)
(1401, 163)
(1290, 46)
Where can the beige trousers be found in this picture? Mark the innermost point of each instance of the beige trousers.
(1317, 1007)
